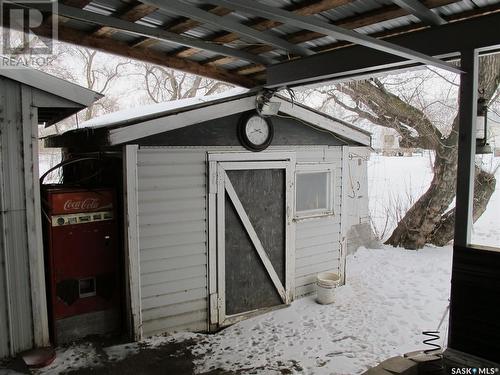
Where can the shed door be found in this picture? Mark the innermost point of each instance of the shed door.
(253, 245)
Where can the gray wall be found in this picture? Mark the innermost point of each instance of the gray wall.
(16, 323)
(223, 132)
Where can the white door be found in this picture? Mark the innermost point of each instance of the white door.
(252, 207)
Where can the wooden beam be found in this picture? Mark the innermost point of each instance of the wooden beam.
(420, 11)
(131, 13)
(109, 45)
(385, 13)
(258, 74)
(378, 15)
(191, 11)
(180, 26)
(304, 9)
(153, 32)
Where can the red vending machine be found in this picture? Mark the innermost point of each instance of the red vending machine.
(82, 260)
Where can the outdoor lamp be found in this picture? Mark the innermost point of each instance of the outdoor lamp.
(482, 146)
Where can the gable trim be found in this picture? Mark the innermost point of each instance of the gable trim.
(211, 112)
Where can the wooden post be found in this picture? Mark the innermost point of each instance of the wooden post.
(466, 147)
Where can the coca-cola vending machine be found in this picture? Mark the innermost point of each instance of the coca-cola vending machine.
(82, 262)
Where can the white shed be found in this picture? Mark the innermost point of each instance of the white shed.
(216, 230)
(27, 98)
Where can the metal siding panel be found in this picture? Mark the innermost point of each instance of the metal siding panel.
(159, 229)
(180, 308)
(182, 284)
(15, 274)
(172, 231)
(317, 240)
(172, 299)
(163, 277)
(173, 251)
(4, 328)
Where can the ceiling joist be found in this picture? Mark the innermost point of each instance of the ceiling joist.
(203, 16)
(382, 14)
(108, 45)
(180, 26)
(152, 32)
(305, 9)
(420, 11)
(314, 24)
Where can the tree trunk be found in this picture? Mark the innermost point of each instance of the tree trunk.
(414, 230)
(484, 187)
(428, 221)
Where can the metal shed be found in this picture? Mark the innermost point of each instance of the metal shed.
(27, 98)
(215, 232)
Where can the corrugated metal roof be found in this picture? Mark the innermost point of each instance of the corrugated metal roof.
(356, 13)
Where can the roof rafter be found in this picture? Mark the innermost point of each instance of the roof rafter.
(420, 11)
(358, 61)
(256, 71)
(138, 29)
(305, 9)
(203, 16)
(106, 44)
(314, 24)
(133, 12)
(180, 26)
(385, 13)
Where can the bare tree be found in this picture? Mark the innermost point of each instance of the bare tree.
(164, 84)
(378, 102)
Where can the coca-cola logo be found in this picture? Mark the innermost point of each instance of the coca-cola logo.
(81, 204)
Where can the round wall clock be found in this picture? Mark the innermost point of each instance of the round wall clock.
(255, 132)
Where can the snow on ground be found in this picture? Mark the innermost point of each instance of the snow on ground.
(394, 184)
(390, 297)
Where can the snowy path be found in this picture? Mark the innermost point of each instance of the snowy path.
(391, 296)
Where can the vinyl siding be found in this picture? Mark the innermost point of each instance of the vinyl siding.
(172, 239)
(317, 240)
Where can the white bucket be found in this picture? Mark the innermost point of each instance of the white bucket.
(326, 282)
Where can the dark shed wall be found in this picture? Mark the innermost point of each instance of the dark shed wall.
(475, 308)
(223, 132)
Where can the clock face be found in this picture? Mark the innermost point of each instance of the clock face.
(257, 130)
(254, 132)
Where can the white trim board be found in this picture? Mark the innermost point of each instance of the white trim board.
(210, 112)
(179, 120)
(323, 122)
(132, 264)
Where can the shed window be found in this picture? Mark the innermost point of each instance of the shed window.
(314, 196)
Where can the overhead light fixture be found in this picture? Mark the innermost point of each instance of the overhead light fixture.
(265, 107)
(482, 146)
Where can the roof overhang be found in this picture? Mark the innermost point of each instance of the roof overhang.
(55, 98)
(444, 41)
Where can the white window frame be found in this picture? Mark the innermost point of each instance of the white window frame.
(316, 168)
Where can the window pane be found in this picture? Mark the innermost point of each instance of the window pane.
(486, 230)
(312, 191)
